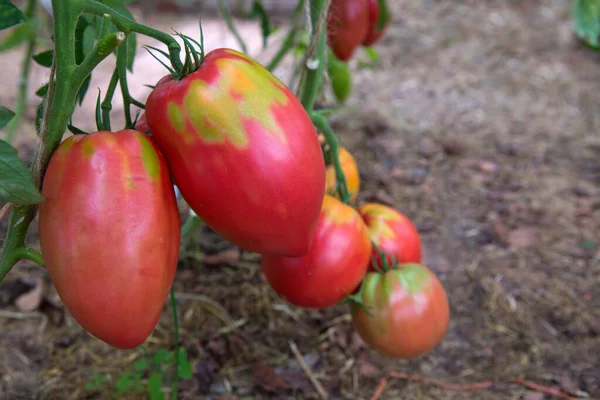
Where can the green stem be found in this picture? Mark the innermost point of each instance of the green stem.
(323, 126)
(290, 39)
(175, 387)
(122, 68)
(224, 10)
(313, 78)
(107, 102)
(24, 78)
(101, 50)
(128, 25)
(27, 253)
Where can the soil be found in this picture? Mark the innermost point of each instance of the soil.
(480, 122)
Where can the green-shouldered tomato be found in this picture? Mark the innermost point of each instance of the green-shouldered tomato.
(392, 232)
(110, 232)
(334, 265)
(243, 152)
(404, 312)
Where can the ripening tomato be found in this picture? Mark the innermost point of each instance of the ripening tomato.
(110, 232)
(392, 232)
(243, 152)
(334, 265)
(350, 170)
(407, 311)
(374, 34)
(347, 26)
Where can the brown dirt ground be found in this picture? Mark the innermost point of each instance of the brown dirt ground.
(480, 123)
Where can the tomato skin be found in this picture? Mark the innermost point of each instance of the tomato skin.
(243, 152)
(373, 35)
(142, 125)
(409, 311)
(347, 26)
(109, 232)
(392, 232)
(334, 265)
(351, 173)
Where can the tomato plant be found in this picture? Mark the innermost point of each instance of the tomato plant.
(404, 312)
(392, 232)
(334, 265)
(351, 173)
(341, 78)
(347, 26)
(243, 151)
(109, 232)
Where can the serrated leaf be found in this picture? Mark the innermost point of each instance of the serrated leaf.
(16, 180)
(586, 21)
(258, 11)
(44, 58)
(10, 15)
(155, 387)
(6, 116)
(140, 365)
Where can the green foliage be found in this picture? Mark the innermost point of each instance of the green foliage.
(586, 21)
(149, 373)
(10, 15)
(5, 116)
(16, 181)
(44, 58)
(258, 11)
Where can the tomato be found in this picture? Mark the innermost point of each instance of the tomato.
(373, 34)
(110, 232)
(347, 26)
(392, 232)
(350, 170)
(341, 78)
(334, 265)
(142, 125)
(407, 311)
(243, 152)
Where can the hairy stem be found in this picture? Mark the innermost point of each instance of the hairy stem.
(24, 78)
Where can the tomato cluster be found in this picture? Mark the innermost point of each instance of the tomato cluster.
(245, 156)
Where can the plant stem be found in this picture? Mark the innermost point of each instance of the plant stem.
(122, 68)
(27, 253)
(107, 102)
(323, 126)
(175, 387)
(225, 12)
(24, 78)
(128, 25)
(313, 79)
(289, 40)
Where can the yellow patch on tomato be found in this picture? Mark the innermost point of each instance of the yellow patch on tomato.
(337, 211)
(87, 148)
(379, 229)
(376, 211)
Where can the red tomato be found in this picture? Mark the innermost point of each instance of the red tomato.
(334, 265)
(243, 152)
(109, 232)
(407, 311)
(347, 26)
(392, 232)
(373, 34)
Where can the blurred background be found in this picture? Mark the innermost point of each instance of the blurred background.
(480, 121)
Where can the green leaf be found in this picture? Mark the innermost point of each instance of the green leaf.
(140, 365)
(155, 387)
(123, 383)
(43, 91)
(162, 356)
(44, 58)
(10, 15)
(6, 116)
(372, 53)
(586, 21)
(185, 368)
(258, 11)
(17, 36)
(16, 180)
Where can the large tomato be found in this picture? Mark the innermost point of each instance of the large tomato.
(407, 312)
(347, 26)
(334, 265)
(392, 232)
(109, 233)
(374, 34)
(350, 170)
(243, 152)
